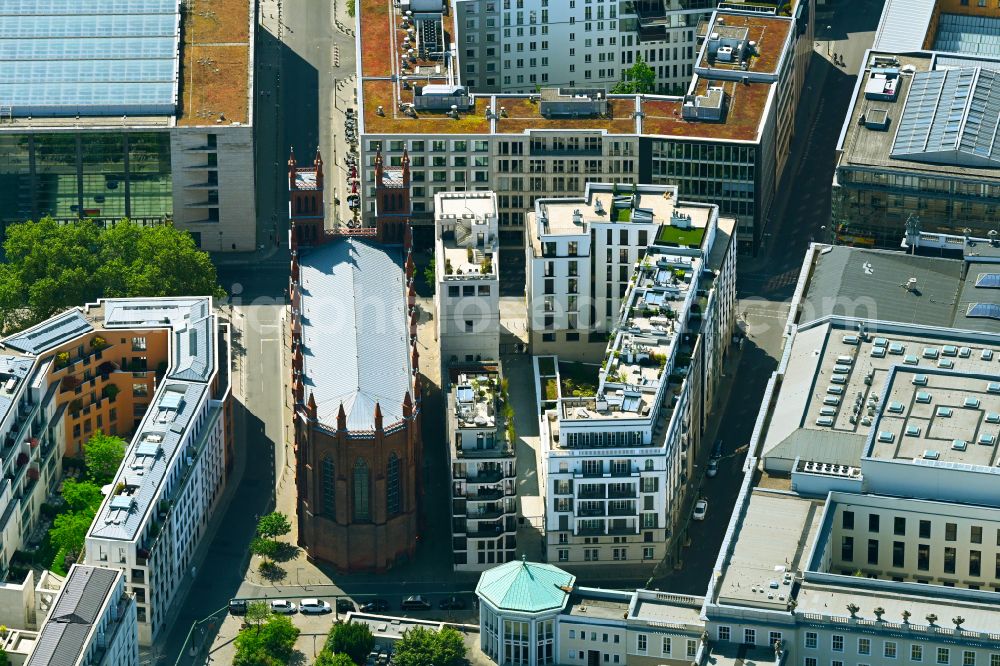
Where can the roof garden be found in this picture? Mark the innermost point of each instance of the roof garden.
(742, 42)
(679, 236)
(516, 114)
(215, 57)
(745, 105)
(386, 94)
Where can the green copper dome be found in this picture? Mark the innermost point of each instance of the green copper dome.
(525, 587)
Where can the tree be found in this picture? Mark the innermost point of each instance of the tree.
(4, 659)
(69, 530)
(422, 647)
(327, 658)
(81, 495)
(50, 266)
(353, 639)
(258, 612)
(430, 274)
(273, 525)
(271, 644)
(264, 547)
(103, 454)
(640, 78)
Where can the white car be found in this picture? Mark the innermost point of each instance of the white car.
(317, 606)
(700, 509)
(713, 468)
(283, 607)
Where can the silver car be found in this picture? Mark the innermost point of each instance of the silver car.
(314, 606)
(283, 607)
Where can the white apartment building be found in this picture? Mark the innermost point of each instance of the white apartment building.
(722, 139)
(174, 468)
(513, 46)
(481, 458)
(617, 453)
(467, 271)
(581, 254)
(92, 622)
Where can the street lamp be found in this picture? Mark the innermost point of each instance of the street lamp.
(829, 30)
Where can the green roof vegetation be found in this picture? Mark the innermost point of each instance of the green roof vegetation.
(670, 235)
(623, 214)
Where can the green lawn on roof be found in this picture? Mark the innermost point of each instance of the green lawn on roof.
(670, 235)
(623, 214)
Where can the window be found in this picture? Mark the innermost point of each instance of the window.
(889, 650)
(640, 643)
(847, 548)
(898, 554)
(975, 562)
(864, 646)
(872, 551)
(925, 529)
(140, 390)
(453, 292)
(564, 557)
(949, 560)
(943, 655)
(773, 638)
(362, 510)
(916, 652)
(647, 553)
(392, 501)
(847, 520)
(950, 532)
(899, 526)
(138, 344)
(750, 636)
(837, 643)
(968, 658)
(873, 522)
(976, 534)
(811, 639)
(692, 648)
(723, 634)
(923, 557)
(329, 488)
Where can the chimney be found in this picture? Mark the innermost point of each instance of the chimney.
(407, 406)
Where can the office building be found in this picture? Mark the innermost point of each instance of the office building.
(483, 475)
(140, 110)
(175, 466)
(619, 440)
(724, 141)
(466, 264)
(356, 390)
(93, 622)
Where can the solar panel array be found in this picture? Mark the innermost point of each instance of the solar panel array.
(89, 57)
(951, 116)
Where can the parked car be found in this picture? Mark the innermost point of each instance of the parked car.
(700, 509)
(237, 606)
(415, 602)
(283, 607)
(314, 606)
(375, 606)
(713, 468)
(452, 603)
(345, 605)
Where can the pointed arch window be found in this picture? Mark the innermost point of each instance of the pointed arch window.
(329, 488)
(392, 485)
(362, 509)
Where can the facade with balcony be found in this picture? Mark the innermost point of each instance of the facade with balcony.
(481, 457)
(617, 457)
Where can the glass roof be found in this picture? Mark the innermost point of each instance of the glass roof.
(951, 117)
(89, 57)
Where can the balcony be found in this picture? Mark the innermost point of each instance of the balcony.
(591, 511)
(594, 492)
(590, 531)
(622, 511)
(485, 476)
(622, 493)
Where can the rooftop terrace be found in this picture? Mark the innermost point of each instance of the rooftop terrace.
(745, 107)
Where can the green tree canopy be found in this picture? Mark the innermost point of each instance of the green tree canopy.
(640, 78)
(81, 495)
(51, 266)
(424, 647)
(273, 525)
(271, 644)
(69, 530)
(353, 639)
(264, 547)
(327, 658)
(258, 612)
(103, 454)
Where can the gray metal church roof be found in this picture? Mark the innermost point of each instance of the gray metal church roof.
(355, 333)
(951, 117)
(63, 637)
